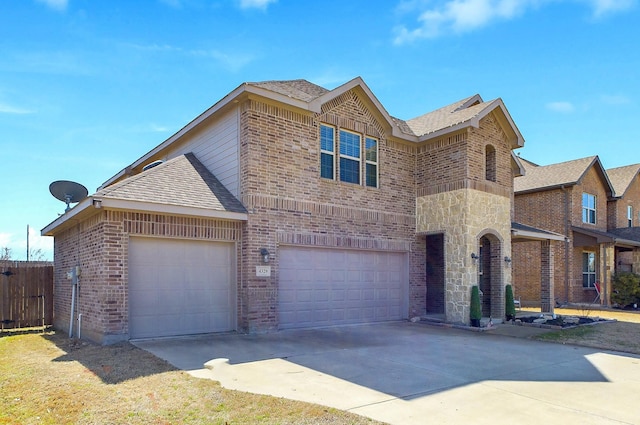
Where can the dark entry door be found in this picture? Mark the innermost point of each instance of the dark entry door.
(435, 274)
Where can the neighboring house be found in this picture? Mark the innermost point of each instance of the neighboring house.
(623, 213)
(579, 200)
(287, 205)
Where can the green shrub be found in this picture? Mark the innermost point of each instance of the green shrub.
(476, 308)
(509, 305)
(625, 289)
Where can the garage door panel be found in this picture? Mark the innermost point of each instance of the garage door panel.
(180, 287)
(321, 287)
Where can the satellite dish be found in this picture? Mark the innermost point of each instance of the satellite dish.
(68, 192)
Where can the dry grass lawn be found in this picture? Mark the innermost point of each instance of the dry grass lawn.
(50, 379)
(621, 335)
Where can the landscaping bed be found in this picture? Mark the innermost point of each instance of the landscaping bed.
(558, 321)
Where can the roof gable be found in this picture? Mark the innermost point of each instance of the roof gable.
(553, 176)
(622, 177)
(461, 114)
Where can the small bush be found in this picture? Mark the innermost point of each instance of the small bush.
(509, 305)
(626, 289)
(476, 308)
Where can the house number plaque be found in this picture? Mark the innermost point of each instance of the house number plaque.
(263, 271)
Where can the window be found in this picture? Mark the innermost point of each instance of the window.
(344, 156)
(588, 269)
(349, 157)
(588, 208)
(490, 163)
(630, 215)
(371, 149)
(327, 152)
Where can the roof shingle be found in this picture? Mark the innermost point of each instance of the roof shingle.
(181, 181)
(622, 177)
(554, 175)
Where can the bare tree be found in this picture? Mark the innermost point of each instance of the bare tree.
(5, 253)
(37, 255)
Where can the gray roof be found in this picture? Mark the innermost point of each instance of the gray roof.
(297, 89)
(181, 181)
(554, 175)
(622, 177)
(629, 233)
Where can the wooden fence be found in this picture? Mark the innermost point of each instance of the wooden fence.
(26, 294)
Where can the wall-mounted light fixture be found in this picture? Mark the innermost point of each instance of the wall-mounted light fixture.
(265, 255)
(507, 260)
(474, 257)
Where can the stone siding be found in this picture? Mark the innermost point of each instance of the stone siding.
(464, 216)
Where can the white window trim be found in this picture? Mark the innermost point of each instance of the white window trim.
(594, 273)
(630, 215)
(594, 209)
(353, 158)
(372, 162)
(333, 154)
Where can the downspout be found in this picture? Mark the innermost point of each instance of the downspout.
(566, 244)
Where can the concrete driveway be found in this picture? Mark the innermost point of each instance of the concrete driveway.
(413, 373)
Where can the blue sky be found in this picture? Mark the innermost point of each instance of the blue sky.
(88, 86)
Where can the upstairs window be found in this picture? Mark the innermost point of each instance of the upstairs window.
(588, 208)
(327, 152)
(490, 163)
(349, 157)
(371, 149)
(630, 216)
(344, 156)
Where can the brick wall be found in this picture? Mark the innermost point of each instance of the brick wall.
(290, 204)
(99, 245)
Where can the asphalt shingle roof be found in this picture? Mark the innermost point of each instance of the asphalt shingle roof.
(296, 89)
(182, 181)
(622, 177)
(563, 173)
(445, 117)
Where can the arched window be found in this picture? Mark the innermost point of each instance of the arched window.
(490, 163)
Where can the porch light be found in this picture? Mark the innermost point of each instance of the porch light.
(507, 260)
(474, 257)
(265, 255)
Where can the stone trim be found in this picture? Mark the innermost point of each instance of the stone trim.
(333, 241)
(482, 186)
(324, 209)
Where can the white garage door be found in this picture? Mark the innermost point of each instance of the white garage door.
(180, 287)
(324, 287)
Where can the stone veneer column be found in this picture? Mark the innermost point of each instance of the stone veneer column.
(546, 265)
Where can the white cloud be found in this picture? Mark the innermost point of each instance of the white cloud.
(5, 239)
(255, 4)
(607, 7)
(9, 109)
(461, 16)
(55, 4)
(562, 107)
